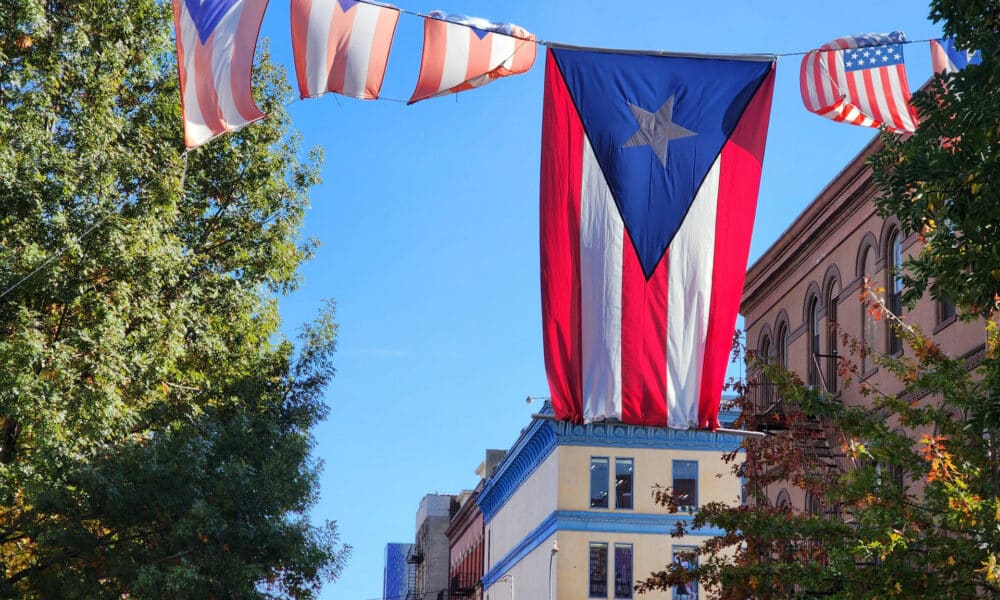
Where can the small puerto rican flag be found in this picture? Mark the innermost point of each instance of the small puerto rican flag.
(461, 53)
(215, 45)
(341, 46)
(945, 58)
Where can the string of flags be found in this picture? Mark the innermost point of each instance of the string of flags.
(343, 46)
(650, 173)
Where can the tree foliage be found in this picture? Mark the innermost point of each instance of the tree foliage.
(904, 490)
(942, 181)
(154, 425)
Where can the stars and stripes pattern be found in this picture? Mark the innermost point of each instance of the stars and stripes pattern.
(341, 46)
(458, 56)
(861, 80)
(216, 40)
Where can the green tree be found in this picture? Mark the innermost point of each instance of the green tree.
(910, 513)
(154, 425)
(942, 181)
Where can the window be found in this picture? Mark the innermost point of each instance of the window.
(623, 482)
(895, 286)
(599, 474)
(623, 570)
(684, 556)
(781, 345)
(814, 504)
(946, 310)
(867, 316)
(686, 484)
(831, 340)
(598, 570)
(765, 383)
(813, 325)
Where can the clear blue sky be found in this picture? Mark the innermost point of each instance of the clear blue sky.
(428, 220)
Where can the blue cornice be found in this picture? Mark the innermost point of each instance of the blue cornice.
(620, 435)
(598, 522)
(542, 436)
(531, 449)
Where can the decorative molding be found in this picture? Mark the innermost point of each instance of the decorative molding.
(598, 522)
(535, 537)
(528, 453)
(620, 435)
(540, 438)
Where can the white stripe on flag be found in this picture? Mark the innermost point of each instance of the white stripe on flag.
(318, 39)
(360, 49)
(811, 83)
(601, 236)
(197, 130)
(222, 64)
(456, 59)
(905, 118)
(689, 293)
(501, 51)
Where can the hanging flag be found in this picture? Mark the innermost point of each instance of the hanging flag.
(216, 40)
(461, 53)
(649, 180)
(861, 80)
(945, 58)
(341, 46)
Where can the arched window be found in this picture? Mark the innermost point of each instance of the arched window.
(894, 284)
(831, 337)
(781, 345)
(812, 322)
(783, 500)
(814, 504)
(765, 393)
(867, 318)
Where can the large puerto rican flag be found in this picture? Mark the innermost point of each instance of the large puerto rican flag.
(649, 179)
(215, 45)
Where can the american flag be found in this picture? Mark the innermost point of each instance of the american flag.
(861, 80)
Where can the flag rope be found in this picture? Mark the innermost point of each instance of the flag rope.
(550, 44)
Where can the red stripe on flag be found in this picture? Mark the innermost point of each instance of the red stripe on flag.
(247, 32)
(208, 99)
(300, 10)
(479, 55)
(560, 186)
(337, 45)
(739, 185)
(385, 29)
(644, 340)
(432, 59)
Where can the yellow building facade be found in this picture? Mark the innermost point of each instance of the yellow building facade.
(570, 511)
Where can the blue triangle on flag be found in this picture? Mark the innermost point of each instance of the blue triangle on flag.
(206, 15)
(656, 124)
